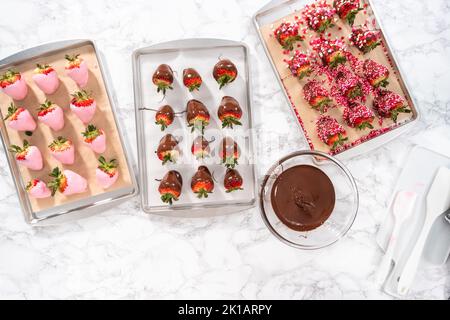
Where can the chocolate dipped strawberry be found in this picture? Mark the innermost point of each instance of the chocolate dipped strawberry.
(164, 116)
(63, 150)
(13, 84)
(229, 112)
(77, 70)
(229, 152)
(66, 182)
(83, 105)
(331, 132)
(389, 104)
(170, 187)
(348, 84)
(163, 78)
(375, 73)
(364, 40)
(51, 115)
(233, 181)
(28, 156)
(20, 119)
(38, 189)
(46, 78)
(168, 150)
(319, 16)
(224, 72)
(332, 52)
(200, 148)
(359, 116)
(287, 35)
(106, 172)
(317, 96)
(94, 138)
(192, 79)
(202, 182)
(300, 65)
(347, 9)
(197, 115)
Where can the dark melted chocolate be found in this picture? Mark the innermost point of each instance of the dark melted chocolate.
(229, 105)
(164, 72)
(195, 108)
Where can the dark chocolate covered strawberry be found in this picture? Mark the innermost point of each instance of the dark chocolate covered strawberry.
(229, 152)
(233, 181)
(389, 104)
(164, 116)
(348, 83)
(168, 150)
(332, 52)
(317, 96)
(200, 147)
(229, 112)
(202, 182)
(359, 116)
(224, 72)
(330, 132)
(170, 187)
(364, 40)
(163, 78)
(197, 115)
(300, 65)
(375, 73)
(287, 35)
(191, 79)
(347, 9)
(319, 16)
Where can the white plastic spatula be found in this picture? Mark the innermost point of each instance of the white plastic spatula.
(438, 201)
(402, 208)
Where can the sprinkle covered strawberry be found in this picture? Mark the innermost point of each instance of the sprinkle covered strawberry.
(170, 187)
(66, 182)
(389, 104)
(224, 72)
(83, 105)
(232, 181)
(63, 150)
(51, 115)
(317, 96)
(359, 116)
(319, 16)
(349, 84)
(332, 52)
(202, 182)
(28, 156)
(200, 147)
(229, 112)
(300, 65)
(106, 173)
(330, 132)
(163, 78)
(38, 189)
(168, 150)
(192, 79)
(46, 78)
(229, 152)
(94, 138)
(13, 84)
(20, 119)
(164, 116)
(375, 73)
(347, 9)
(287, 35)
(77, 70)
(197, 115)
(364, 40)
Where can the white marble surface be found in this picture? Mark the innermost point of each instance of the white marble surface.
(124, 253)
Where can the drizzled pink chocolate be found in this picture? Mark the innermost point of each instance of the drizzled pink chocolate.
(319, 16)
(359, 116)
(330, 132)
(317, 96)
(287, 34)
(332, 52)
(364, 40)
(375, 73)
(300, 65)
(389, 104)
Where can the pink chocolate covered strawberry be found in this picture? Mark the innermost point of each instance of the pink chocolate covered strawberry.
(389, 104)
(317, 96)
(348, 84)
(83, 105)
(77, 70)
(106, 173)
(359, 116)
(28, 156)
(38, 189)
(46, 78)
(300, 65)
(364, 40)
(375, 73)
(347, 9)
(94, 138)
(63, 150)
(13, 84)
(287, 35)
(67, 182)
(319, 16)
(330, 132)
(51, 115)
(20, 119)
(332, 52)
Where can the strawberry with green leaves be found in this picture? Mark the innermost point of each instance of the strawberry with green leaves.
(94, 138)
(331, 132)
(77, 70)
(63, 150)
(389, 104)
(300, 65)
(229, 112)
(375, 73)
(287, 34)
(224, 72)
(83, 105)
(38, 189)
(229, 152)
(232, 181)
(20, 119)
(359, 116)
(317, 96)
(51, 115)
(163, 78)
(170, 187)
(348, 83)
(202, 182)
(67, 182)
(197, 115)
(168, 150)
(319, 16)
(200, 148)
(347, 9)
(192, 79)
(364, 40)
(13, 84)
(28, 156)
(164, 116)
(106, 172)
(332, 52)
(46, 78)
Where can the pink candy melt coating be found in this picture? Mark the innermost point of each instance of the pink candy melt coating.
(33, 159)
(24, 122)
(75, 183)
(54, 119)
(104, 180)
(48, 83)
(85, 114)
(98, 145)
(18, 90)
(80, 75)
(40, 191)
(66, 156)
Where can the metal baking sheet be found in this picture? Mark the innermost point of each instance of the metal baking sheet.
(278, 9)
(62, 208)
(201, 54)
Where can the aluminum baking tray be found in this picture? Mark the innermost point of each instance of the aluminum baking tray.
(83, 204)
(201, 54)
(279, 9)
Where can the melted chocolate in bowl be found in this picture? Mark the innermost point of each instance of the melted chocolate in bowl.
(303, 197)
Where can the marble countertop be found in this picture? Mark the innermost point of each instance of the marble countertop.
(124, 253)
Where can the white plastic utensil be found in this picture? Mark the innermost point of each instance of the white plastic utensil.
(438, 201)
(402, 208)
